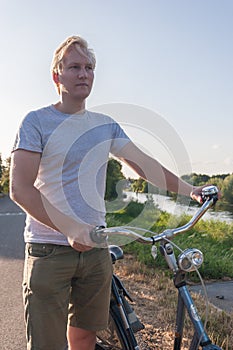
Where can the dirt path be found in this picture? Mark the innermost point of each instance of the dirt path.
(155, 301)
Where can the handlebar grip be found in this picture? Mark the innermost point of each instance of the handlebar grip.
(209, 192)
(98, 238)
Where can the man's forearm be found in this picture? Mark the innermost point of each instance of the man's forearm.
(152, 171)
(161, 177)
(37, 206)
(33, 203)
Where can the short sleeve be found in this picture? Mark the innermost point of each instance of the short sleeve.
(120, 139)
(29, 135)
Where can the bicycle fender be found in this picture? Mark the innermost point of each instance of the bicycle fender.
(121, 286)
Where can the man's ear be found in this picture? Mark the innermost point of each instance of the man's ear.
(56, 78)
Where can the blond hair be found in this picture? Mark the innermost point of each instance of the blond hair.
(80, 45)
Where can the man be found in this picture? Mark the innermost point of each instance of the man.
(58, 173)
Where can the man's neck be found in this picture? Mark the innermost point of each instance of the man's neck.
(70, 108)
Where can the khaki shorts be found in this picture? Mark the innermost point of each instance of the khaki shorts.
(62, 286)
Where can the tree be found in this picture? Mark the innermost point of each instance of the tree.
(138, 185)
(0, 166)
(196, 179)
(227, 189)
(5, 174)
(217, 181)
(114, 176)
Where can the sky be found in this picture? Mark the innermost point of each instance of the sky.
(164, 71)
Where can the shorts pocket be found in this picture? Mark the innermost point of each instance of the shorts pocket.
(37, 250)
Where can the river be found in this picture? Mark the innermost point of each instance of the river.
(174, 207)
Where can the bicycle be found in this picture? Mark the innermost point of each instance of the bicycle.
(123, 322)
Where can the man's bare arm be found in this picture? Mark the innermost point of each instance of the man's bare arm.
(24, 170)
(152, 171)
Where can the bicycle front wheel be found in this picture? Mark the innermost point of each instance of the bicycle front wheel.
(114, 337)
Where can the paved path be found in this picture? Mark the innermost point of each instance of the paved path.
(219, 293)
(12, 331)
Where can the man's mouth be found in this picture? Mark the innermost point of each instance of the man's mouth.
(82, 84)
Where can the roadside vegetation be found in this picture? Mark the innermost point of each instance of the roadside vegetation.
(213, 238)
(150, 281)
(4, 175)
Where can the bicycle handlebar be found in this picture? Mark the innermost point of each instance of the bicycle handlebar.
(100, 234)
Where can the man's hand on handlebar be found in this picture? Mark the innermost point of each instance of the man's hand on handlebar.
(201, 193)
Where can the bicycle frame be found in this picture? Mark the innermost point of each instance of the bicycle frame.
(185, 302)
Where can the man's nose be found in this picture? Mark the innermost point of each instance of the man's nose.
(82, 73)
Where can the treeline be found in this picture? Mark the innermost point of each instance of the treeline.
(116, 182)
(224, 182)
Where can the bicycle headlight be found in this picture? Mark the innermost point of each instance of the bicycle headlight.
(190, 260)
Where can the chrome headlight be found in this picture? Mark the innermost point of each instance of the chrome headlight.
(190, 260)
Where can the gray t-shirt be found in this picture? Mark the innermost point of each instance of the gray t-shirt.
(72, 173)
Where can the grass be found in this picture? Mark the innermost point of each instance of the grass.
(213, 238)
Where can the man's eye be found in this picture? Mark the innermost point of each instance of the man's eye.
(78, 67)
(89, 67)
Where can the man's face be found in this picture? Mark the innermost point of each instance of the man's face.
(77, 75)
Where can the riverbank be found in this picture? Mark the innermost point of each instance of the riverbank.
(171, 206)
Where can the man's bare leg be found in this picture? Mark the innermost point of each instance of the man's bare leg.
(81, 339)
